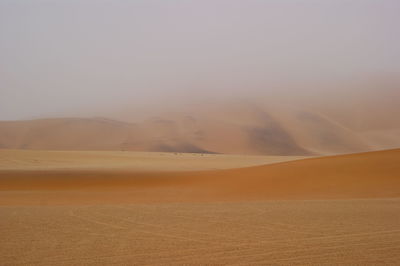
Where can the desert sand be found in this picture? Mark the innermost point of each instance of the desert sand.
(262, 128)
(199, 132)
(319, 232)
(128, 160)
(327, 210)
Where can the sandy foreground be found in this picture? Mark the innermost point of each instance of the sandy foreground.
(321, 211)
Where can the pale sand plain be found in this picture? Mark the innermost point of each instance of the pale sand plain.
(340, 210)
(129, 160)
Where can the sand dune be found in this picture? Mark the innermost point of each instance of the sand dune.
(366, 175)
(259, 128)
(199, 132)
(302, 212)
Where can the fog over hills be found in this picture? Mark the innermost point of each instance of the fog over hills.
(276, 126)
(227, 76)
(199, 132)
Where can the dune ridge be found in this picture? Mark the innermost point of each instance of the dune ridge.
(365, 175)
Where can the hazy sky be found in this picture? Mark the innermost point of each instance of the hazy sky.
(65, 57)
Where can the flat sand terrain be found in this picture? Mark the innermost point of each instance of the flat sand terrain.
(129, 160)
(319, 211)
(326, 232)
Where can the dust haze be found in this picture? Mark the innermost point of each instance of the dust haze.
(105, 58)
(208, 132)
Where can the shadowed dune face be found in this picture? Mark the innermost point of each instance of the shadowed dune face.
(272, 138)
(366, 175)
(324, 136)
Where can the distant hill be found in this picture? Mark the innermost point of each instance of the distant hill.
(242, 128)
(365, 117)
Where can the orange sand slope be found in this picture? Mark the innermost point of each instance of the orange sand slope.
(202, 217)
(365, 175)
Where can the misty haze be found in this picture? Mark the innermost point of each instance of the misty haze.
(150, 132)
